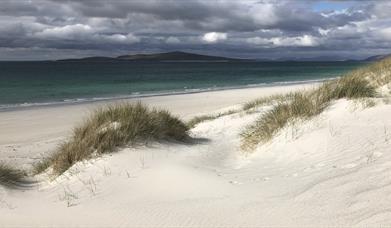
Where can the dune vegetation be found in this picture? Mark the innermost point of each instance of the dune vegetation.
(199, 119)
(268, 100)
(358, 84)
(111, 127)
(9, 176)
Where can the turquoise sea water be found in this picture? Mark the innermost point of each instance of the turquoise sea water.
(37, 83)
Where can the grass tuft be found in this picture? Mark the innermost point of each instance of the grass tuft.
(302, 105)
(307, 104)
(268, 100)
(41, 166)
(111, 127)
(365, 103)
(199, 119)
(9, 176)
(350, 87)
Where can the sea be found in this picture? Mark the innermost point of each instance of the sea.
(27, 84)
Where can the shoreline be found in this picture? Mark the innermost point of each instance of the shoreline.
(78, 101)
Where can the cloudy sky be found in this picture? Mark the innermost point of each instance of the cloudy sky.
(54, 29)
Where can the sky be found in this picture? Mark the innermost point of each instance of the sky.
(261, 29)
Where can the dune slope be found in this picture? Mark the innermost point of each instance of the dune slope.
(330, 171)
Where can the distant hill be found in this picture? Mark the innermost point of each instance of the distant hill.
(167, 56)
(90, 59)
(313, 59)
(335, 58)
(175, 56)
(178, 56)
(377, 57)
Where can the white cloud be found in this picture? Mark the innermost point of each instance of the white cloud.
(214, 37)
(259, 41)
(118, 38)
(385, 33)
(299, 41)
(86, 33)
(324, 32)
(263, 14)
(65, 32)
(381, 9)
(172, 40)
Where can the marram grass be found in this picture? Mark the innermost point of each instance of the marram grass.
(358, 84)
(268, 100)
(115, 126)
(199, 119)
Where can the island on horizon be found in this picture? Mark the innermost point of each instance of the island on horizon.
(181, 56)
(164, 56)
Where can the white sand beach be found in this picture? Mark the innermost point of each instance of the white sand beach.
(330, 171)
(195, 113)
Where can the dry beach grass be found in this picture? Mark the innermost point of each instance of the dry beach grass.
(358, 84)
(111, 127)
(199, 119)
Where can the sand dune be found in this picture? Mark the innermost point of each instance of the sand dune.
(330, 171)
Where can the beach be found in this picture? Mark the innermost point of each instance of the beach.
(329, 171)
(196, 113)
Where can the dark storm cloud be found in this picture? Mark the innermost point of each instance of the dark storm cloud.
(219, 15)
(39, 29)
